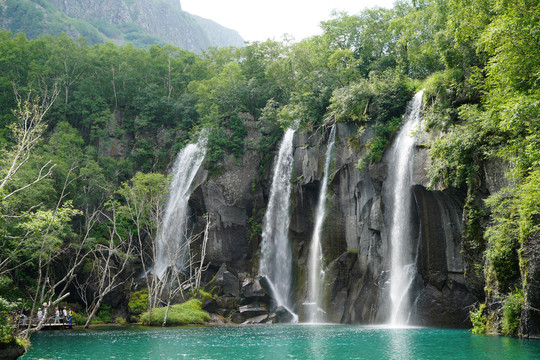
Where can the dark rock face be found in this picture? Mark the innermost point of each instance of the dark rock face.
(530, 319)
(443, 296)
(11, 351)
(355, 237)
(231, 199)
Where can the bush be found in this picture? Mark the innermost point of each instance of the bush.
(189, 312)
(138, 302)
(511, 313)
(78, 319)
(104, 314)
(7, 309)
(478, 319)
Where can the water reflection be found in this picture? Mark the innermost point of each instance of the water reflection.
(400, 344)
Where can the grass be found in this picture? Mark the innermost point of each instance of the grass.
(186, 313)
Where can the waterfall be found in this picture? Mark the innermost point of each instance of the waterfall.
(276, 253)
(172, 245)
(403, 266)
(314, 303)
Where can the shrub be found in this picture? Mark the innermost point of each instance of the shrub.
(104, 314)
(511, 312)
(189, 312)
(138, 302)
(7, 309)
(478, 319)
(78, 319)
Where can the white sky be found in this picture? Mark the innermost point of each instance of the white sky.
(259, 20)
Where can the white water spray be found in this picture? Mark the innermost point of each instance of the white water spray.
(276, 253)
(314, 303)
(403, 266)
(172, 244)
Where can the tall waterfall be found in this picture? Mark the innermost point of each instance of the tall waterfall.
(172, 244)
(314, 303)
(276, 253)
(403, 267)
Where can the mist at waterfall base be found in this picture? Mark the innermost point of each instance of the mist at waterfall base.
(403, 261)
(276, 255)
(313, 307)
(172, 245)
(277, 342)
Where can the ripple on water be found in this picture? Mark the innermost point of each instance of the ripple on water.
(278, 342)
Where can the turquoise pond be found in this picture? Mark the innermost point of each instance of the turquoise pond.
(277, 342)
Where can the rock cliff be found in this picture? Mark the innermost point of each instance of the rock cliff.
(355, 235)
(142, 22)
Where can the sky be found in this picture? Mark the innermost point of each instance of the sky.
(259, 20)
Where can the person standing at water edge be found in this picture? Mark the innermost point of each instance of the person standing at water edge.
(64, 315)
(69, 316)
(39, 315)
(57, 316)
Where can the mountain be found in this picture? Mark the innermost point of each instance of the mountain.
(141, 22)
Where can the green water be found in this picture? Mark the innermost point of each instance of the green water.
(277, 342)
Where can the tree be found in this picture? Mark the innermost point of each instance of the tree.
(109, 259)
(143, 200)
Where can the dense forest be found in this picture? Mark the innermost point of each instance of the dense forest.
(88, 132)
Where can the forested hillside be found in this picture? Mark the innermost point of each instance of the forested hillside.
(88, 133)
(140, 22)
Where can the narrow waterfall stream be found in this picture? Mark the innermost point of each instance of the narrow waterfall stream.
(403, 267)
(276, 254)
(172, 244)
(314, 303)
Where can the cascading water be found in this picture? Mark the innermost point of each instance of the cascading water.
(276, 253)
(403, 267)
(314, 304)
(172, 244)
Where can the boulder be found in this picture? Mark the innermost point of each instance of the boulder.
(283, 315)
(253, 310)
(237, 318)
(252, 290)
(227, 302)
(228, 280)
(256, 320)
(210, 305)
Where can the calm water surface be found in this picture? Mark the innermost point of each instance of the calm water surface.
(277, 342)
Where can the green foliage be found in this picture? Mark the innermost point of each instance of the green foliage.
(478, 319)
(204, 295)
(7, 317)
(186, 313)
(511, 313)
(104, 314)
(78, 319)
(138, 302)
(255, 229)
(380, 100)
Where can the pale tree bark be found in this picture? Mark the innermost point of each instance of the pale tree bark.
(110, 262)
(176, 280)
(49, 290)
(27, 131)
